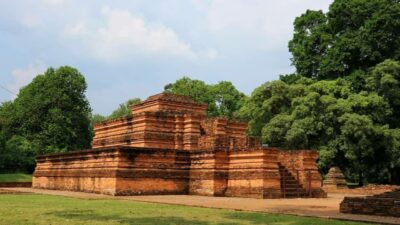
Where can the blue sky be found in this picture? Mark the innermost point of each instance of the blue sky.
(133, 48)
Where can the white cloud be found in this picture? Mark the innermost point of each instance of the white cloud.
(211, 53)
(54, 2)
(269, 24)
(31, 21)
(123, 34)
(24, 76)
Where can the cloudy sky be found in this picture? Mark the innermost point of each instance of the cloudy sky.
(133, 48)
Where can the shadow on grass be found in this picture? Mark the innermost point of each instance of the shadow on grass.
(280, 219)
(259, 218)
(90, 215)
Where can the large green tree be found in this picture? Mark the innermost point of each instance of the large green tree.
(223, 98)
(51, 114)
(353, 122)
(353, 35)
(349, 129)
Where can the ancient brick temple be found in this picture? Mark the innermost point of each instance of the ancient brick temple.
(169, 146)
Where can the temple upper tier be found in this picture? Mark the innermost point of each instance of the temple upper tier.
(173, 122)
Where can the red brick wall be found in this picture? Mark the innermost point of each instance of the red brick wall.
(208, 173)
(238, 174)
(385, 204)
(302, 164)
(223, 134)
(254, 173)
(134, 171)
(87, 171)
(117, 171)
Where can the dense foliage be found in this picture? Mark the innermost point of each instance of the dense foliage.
(350, 108)
(351, 129)
(352, 36)
(223, 98)
(123, 110)
(49, 115)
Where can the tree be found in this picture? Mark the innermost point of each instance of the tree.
(7, 119)
(385, 80)
(97, 118)
(290, 78)
(124, 109)
(356, 126)
(17, 154)
(310, 42)
(227, 98)
(270, 99)
(223, 99)
(349, 129)
(353, 35)
(360, 141)
(53, 112)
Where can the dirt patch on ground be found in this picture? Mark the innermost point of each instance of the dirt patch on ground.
(371, 189)
(4, 191)
(15, 184)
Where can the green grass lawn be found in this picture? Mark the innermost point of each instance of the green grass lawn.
(15, 177)
(45, 209)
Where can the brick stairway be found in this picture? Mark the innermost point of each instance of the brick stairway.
(290, 186)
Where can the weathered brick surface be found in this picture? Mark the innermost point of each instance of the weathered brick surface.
(162, 121)
(169, 147)
(334, 180)
(386, 204)
(301, 164)
(115, 171)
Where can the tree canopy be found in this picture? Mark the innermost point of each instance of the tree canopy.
(51, 114)
(353, 35)
(223, 98)
(349, 129)
(343, 99)
(123, 110)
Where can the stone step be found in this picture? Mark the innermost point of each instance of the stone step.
(293, 190)
(292, 186)
(300, 195)
(290, 182)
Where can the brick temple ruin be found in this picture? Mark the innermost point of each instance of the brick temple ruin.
(169, 146)
(385, 204)
(334, 180)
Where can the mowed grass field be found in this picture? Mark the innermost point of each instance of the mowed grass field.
(15, 177)
(46, 209)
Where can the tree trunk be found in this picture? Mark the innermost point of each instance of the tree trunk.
(360, 178)
(395, 175)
